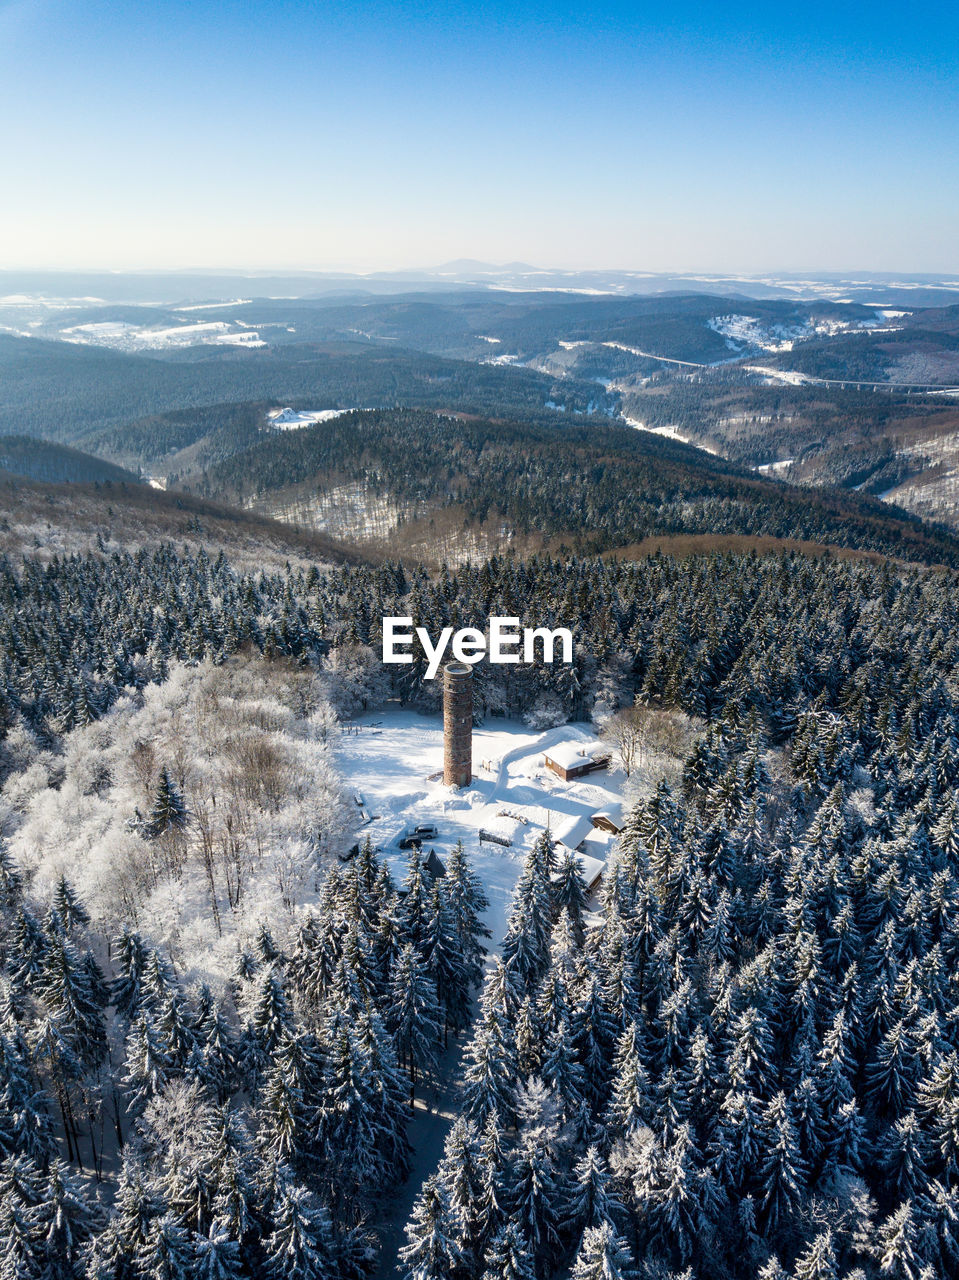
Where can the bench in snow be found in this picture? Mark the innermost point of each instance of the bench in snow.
(489, 837)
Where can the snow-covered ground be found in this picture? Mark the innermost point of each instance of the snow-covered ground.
(294, 419)
(741, 331)
(216, 306)
(671, 432)
(781, 465)
(748, 331)
(392, 761)
(122, 336)
(789, 376)
(506, 358)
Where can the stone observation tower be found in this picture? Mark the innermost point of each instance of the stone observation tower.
(457, 724)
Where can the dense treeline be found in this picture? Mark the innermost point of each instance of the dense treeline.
(770, 633)
(756, 424)
(871, 358)
(596, 487)
(459, 322)
(534, 325)
(219, 430)
(247, 1136)
(749, 1065)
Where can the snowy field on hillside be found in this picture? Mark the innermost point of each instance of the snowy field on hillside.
(670, 432)
(294, 419)
(748, 331)
(123, 336)
(392, 762)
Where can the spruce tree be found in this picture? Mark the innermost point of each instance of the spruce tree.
(432, 1252)
(413, 1016)
(168, 811)
(509, 1256)
(301, 1245)
(603, 1255)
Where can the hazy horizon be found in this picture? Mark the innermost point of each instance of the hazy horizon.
(355, 138)
(434, 272)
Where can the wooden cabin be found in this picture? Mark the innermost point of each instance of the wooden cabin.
(569, 760)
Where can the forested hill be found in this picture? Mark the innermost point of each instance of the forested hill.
(45, 520)
(591, 488)
(43, 460)
(66, 392)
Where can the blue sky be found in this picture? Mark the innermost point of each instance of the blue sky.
(380, 135)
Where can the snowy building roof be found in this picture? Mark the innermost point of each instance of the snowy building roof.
(598, 845)
(614, 812)
(572, 829)
(569, 754)
(591, 868)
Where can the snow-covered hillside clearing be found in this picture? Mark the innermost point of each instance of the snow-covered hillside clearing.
(122, 336)
(294, 419)
(743, 332)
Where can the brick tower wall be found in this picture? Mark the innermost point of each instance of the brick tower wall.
(457, 724)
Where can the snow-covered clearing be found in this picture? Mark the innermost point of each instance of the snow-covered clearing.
(122, 336)
(391, 760)
(789, 376)
(248, 339)
(295, 419)
(742, 330)
(781, 465)
(215, 306)
(670, 432)
(506, 358)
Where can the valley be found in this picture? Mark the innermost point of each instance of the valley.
(858, 396)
